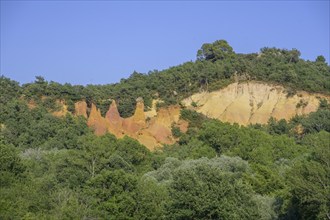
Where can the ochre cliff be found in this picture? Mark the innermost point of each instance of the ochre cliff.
(253, 102)
(97, 122)
(138, 121)
(242, 103)
(115, 121)
(160, 126)
(152, 132)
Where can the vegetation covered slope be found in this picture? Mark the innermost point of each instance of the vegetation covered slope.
(56, 168)
(217, 65)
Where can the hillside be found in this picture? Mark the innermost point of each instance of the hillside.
(243, 103)
(228, 136)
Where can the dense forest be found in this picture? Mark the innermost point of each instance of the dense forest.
(56, 168)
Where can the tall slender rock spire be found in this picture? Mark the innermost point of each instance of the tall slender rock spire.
(96, 121)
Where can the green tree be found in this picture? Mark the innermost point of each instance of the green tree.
(11, 167)
(218, 50)
(310, 178)
(211, 189)
(320, 59)
(9, 89)
(277, 127)
(151, 198)
(112, 193)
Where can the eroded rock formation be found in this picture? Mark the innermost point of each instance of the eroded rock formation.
(160, 126)
(115, 121)
(134, 124)
(97, 122)
(250, 103)
(152, 132)
(243, 103)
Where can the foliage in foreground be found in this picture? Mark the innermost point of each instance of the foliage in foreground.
(215, 171)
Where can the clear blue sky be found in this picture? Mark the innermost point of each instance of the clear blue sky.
(100, 42)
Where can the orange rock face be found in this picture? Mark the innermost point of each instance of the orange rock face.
(161, 133)
(134, 124)
(115, 122)
(139, 117)
(161, 125)
(97, 122)
(152, 134)
(148, 140)
(81, 108)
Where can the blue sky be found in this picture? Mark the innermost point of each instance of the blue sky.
(100, 42)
